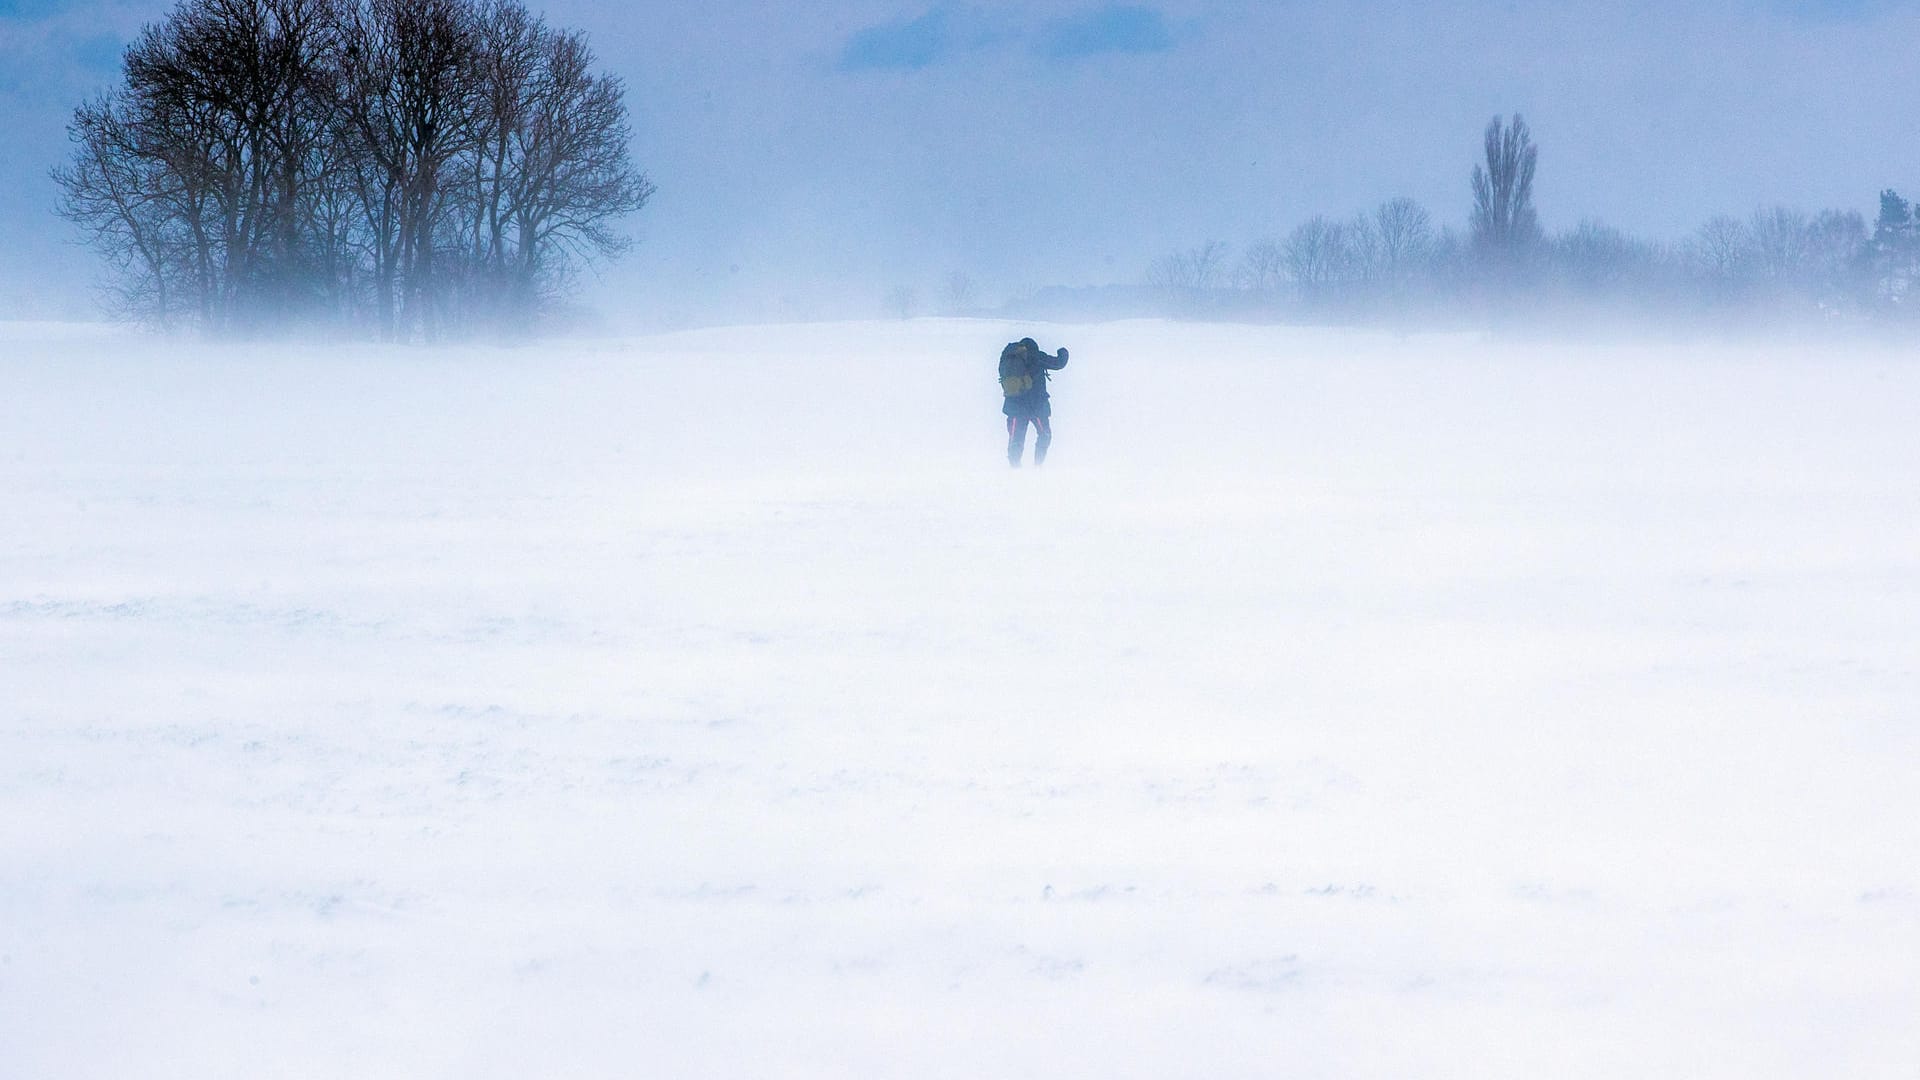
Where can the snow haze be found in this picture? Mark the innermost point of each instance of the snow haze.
(719, 704)
(813, 157)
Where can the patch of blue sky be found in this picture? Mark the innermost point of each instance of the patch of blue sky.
(1117, 28)
(99, 53)
(1839, 10)
(901, 46)
(31, 9)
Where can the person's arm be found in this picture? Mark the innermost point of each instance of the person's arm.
(1054, 362)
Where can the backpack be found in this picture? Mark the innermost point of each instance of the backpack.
(1015, 377)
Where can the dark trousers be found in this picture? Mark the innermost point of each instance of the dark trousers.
(1017, 439)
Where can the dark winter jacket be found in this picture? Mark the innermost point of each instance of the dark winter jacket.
(1032, 404)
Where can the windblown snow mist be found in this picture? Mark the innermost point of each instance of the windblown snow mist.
(720, 704)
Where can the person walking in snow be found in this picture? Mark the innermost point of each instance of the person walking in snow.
(1023, 381)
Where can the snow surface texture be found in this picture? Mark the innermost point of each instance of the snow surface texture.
(720, 705)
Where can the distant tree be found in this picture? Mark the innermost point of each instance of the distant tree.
(1721, 252)
(902, 302)
(1209, 264)
(1718, 255)
(1364, 262)
(1185, 278)
(1895, 217)
(959, 293)
(1318, 258)
(1505, 226)
(1791, 257)
(1840, 254)
(1896, 213)
(1596, 259)
(1780, 246)
(1450, 262)
(1895, 248)
(1263, 268)
(1193, 269)
(1404, 231)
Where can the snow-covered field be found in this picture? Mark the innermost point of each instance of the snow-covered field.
(720, 705)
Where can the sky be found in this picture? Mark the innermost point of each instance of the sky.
(813, 158)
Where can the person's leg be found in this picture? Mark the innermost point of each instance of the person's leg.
(1016, 440)
(1043, 438)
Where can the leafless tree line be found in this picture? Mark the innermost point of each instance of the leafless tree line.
(1395, 257)
(397, 167)
(1321, 261)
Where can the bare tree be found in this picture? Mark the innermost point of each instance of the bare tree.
(408, 69)
(119, 197)
(959, 293)
(1186, 278)
(508, 48)
(1721, 250)
(215, 140)
(1405, 234)
(1263, 268)
(1450, 264)
(276, 160)
(1193, 270)
(576, 177)
(1596, 259)
(296, 150)
(1840, 259)
(1317, 257)
(1209, 262)
(1780, 245)
(1365, 261)
(1505, 225)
